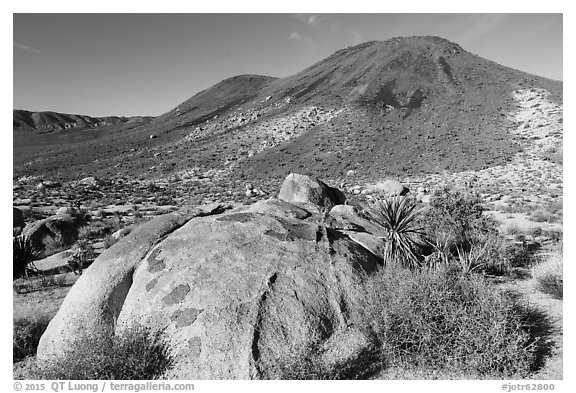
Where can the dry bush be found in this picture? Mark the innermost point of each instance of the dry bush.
(447, 321)
(26, 334)
(541, 215)
(549, 275)
(137, 354)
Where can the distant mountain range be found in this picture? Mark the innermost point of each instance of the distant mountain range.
(53, 121)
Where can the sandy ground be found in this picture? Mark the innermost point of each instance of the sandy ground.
(552, 309)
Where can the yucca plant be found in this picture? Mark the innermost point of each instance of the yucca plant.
(24, 253)
(404, 238)
(440, 255)
(472, 260)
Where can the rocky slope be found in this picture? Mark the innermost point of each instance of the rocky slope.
(410, 108)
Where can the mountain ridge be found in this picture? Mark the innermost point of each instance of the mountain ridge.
(49, 121)
(383, 108)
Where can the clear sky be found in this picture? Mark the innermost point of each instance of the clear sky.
(146, 64)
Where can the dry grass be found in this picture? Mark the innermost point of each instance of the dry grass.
(449, 322)
(26, 335)
(549, 275)
(33, 310)
(137, 354)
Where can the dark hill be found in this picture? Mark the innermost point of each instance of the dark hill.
(402, 106)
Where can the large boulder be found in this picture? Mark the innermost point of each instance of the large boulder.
(56, 263)
(305, 189)
(236, 294)
(390, 188)
(60, 228)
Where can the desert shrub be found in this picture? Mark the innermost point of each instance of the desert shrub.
(513, 229)
(24, 253)
(404, 239)
(541, 215)
(535, 232)
(553, 234)
(549, 276)
(98, 229)
(446, 321)
(137, 354)
(26, 334)
(555, 206)
(520, 237)
(455, 219)
(311, 366)
(82, 217)
(40, 282)
(165, 200)
(83, 254)
(493, 254)
(459, 235)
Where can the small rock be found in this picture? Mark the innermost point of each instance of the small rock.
(65, 210)
(52, 184)
(88, 181)
(119, 234)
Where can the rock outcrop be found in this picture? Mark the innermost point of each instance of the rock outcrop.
(237, 294)
(61, 228)
(304, 189)
(390, 188)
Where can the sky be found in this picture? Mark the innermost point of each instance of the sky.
(146, 64)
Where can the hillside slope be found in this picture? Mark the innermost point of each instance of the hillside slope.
(401, 107)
